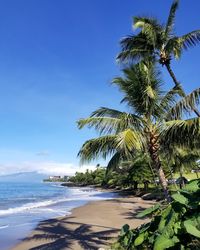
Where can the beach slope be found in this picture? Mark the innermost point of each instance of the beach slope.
(89, 227)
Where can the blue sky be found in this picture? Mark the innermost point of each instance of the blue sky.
(57, 59)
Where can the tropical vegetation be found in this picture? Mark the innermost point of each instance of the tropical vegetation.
(173, 226)
(155, 136)
(95, 177)
(133, 175)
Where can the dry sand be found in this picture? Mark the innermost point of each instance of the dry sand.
(89, 227)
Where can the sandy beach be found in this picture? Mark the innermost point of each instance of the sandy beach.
(89, 227)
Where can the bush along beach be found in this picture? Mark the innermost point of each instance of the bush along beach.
(172, 226)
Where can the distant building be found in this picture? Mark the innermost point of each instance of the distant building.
(55, 177)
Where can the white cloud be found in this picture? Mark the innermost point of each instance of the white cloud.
(49, 168)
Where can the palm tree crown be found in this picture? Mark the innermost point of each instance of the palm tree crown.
(148, 127)
(158, 42)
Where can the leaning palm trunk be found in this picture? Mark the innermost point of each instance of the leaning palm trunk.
(170, 71)
(153, 150)
(154, 175)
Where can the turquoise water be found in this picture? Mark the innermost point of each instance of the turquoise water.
(24, 204)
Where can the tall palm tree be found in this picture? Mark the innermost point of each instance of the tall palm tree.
(158, 42)
(149, 126)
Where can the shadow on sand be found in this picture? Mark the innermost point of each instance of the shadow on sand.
(58, 234)
(68, 233)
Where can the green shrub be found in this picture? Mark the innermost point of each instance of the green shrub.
(174, 226)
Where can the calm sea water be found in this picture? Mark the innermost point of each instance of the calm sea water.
(24, 204)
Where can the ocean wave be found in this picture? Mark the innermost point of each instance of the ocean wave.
(41, 204)
(31, 206)
(25, 207)
(3, 226)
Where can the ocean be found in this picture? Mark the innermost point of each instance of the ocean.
(23, 204)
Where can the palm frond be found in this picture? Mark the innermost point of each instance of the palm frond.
(171, 17)
(150, 92)
(103, 146)
(135, 48)
(169, 99)
(149, 26)
(125, 142)
(181, 132)
(185, 105)
(174, 46)
(140, 86)
(127, 120)
(103, 111)
(114, 162)
(182, 157)
(102, 124)
(189, 40)
(114, 122)
(129, 140)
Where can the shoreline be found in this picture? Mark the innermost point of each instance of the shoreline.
(20, 221)
(90, 226)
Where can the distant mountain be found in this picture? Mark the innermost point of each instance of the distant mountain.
(23, 177)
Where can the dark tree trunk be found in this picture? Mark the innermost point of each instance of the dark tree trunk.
(146, 185)
(153, 150)
(181, 184)
(135, 185)
(167, 65)
(183, 180)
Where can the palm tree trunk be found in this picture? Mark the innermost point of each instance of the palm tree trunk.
(167, 65)
(181, 178)
(135, 185)
(153, 150)
(153, 173)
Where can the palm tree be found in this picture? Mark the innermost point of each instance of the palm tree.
(158, 42)
(148, 127)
